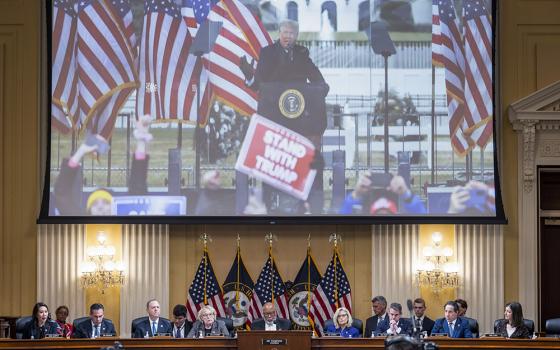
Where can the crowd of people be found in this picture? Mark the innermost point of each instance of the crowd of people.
(387, 320)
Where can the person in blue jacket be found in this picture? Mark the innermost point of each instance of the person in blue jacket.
(394, 324)
(342, 324)
(452, 324)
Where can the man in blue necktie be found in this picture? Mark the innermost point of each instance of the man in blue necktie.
(452, 324)
(153, 325)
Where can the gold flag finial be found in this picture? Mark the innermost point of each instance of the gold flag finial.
(205, 238)
(269, 238)
(335, 238)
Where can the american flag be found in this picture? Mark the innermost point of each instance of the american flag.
(204, 290)
(64, 78)
(333, 292)
(168, 74)
(269, 288)
(242, 34)
(451, 53)
(437, 60)
(103, 120)
(105, 61)
(478, 73)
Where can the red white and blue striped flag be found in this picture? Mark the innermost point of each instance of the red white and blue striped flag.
(242, 34)
(437, 60)
(269, 288)
(168, 74)
(478, 70)
(205, 290)
(452, 56)
(64, 78)
(105, 61)
(332, 292)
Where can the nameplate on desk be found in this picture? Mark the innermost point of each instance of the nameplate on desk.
(105, 336)
(491, 335)
(161, 336)
(439, 335)
(275, 342)
(53, 336)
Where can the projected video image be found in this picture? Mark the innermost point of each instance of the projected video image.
(273, 108)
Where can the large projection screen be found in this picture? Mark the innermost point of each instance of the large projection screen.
(280, 111)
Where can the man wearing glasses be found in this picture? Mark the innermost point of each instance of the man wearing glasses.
(271, 321)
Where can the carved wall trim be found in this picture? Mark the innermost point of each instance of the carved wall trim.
(536, 119)
(528, 155)
(549, 148)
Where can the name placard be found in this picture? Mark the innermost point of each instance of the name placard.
(275, 341)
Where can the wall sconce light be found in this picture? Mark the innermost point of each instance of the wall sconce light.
(101, 270)
(436, 271)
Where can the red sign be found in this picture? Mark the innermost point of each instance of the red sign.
(278, 156)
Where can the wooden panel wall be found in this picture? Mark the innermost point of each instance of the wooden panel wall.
(529, 45)
(19, 144)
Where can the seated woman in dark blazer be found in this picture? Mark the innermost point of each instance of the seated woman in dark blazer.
(342, 324)
(41, 323)
(512, 325)
(207, 324)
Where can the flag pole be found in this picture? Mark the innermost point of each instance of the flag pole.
(334, 238)
(238, 277)
(269, 238)
(308, 271)
(205, 243)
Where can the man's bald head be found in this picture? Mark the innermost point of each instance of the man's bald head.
(269, 312)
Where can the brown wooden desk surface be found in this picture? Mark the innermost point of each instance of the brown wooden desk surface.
(231, 344)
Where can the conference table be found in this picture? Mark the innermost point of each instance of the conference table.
(258, 340)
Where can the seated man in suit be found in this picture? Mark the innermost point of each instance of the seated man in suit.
(271, 321)
(181, 326)
(394, 324)
(96, 326)
(379, 306)
(154, 325)
(452, 324)
(423, 322)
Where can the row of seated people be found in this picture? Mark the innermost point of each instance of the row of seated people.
(453, 324)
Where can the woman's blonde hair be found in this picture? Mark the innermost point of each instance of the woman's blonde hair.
(335, 317)
(204, 308)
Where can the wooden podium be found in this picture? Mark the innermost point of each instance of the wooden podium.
(274, 340)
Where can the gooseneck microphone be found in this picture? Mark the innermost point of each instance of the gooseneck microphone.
(415, 331)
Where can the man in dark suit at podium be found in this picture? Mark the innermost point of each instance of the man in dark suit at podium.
(96, 326)
(286, 64)
(271, 321)
(282, 61)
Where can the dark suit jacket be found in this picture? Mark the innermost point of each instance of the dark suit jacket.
(32, 330)
(460, 330)
(427, 324)
(281, 324)
(275, 65)
(404, 324)
(371, 325)
(84, 329)
(521, 331)
(164, 326)
(218, 328)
